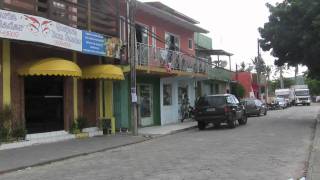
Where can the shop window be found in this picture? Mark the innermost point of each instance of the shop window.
(167, 94)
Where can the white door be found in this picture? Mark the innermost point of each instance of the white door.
(146, 104)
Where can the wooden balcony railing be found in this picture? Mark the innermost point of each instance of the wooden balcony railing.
(99, 16)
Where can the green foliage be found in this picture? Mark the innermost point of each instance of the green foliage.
(19, 133)
(6, 116)
(74, 128)
(82, 122)
(4, 134)
(276, 84)
(238, 90)
(242, 67)
(293, 33)
(314, 86)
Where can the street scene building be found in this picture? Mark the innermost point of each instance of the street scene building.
(128, 89)
(58, 62)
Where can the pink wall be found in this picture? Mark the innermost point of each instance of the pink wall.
(162, 27)
(245, 79)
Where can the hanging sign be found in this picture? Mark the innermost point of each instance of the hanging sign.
(93, 43)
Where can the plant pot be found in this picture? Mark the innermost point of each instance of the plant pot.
(82, 135)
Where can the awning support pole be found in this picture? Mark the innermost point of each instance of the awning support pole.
(6, 72)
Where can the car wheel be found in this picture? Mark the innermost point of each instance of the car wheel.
(243, 120)
(265, 112)
(201, 125)
(232, 123)
(259, 113)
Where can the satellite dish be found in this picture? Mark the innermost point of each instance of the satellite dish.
(223, 64)
(220, 63)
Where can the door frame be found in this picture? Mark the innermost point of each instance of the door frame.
(151, 118)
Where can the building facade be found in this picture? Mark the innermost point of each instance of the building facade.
(167, 66)
(57, 60)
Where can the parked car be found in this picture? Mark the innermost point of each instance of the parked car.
(254, 107)
(282, 103)
(217, 109)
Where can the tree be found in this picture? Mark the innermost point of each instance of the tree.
(267, 73)
(293, 34)
(314, 86)
(276, 84)
(238, 90)
(242, 67)
(260, 67)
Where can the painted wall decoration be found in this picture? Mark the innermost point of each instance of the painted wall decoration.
(37, 29)
(113, 47)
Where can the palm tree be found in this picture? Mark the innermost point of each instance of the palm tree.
(260, 67)
(267, 73)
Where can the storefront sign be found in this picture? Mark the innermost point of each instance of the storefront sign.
(37, 29)
(93, 43)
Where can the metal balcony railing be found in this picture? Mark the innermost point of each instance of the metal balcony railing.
(174, 60)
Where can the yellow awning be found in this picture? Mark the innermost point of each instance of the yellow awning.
(51, 67)
(102, 71)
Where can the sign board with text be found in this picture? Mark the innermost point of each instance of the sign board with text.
(37, 29)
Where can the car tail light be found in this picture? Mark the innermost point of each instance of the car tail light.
(226, 109)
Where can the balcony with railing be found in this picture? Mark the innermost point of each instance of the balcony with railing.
(170, 61)
(98, 16)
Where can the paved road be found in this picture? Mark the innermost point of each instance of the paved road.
(270, 147)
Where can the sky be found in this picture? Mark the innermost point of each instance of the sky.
(233, 25)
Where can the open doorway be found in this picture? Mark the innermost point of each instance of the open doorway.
(44, 104)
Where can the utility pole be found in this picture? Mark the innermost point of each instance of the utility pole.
(132, 55)
(281, 77)
(258, 70)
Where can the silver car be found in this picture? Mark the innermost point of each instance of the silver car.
(282, 103)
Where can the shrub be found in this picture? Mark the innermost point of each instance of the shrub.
(4, 134)
(5, 123)
(82, 122)
(19, 133)
(74, 129)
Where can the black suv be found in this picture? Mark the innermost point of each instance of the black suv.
(217, 109)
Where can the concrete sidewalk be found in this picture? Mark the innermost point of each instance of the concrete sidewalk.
(314, 162)
(156, 131)
(36, 155)
(21, 158)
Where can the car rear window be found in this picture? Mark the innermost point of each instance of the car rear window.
(212, 101)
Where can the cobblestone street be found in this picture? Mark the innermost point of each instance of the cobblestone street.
(269, 147)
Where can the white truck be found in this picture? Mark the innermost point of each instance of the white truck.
(301, 94)
(286, 94)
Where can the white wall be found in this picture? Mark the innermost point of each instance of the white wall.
(170, 114)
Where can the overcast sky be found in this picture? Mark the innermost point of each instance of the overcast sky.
(233, 24)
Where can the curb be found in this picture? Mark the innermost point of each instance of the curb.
(70, 157)
(314, 144)
(154, 136)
